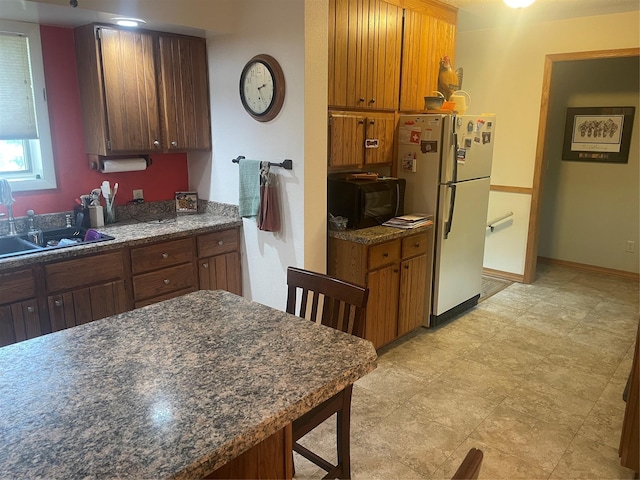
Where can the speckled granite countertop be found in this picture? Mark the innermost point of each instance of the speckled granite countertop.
(379, 234)
(172, 390)
(131, 233)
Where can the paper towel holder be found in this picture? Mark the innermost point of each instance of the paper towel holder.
(96, 161)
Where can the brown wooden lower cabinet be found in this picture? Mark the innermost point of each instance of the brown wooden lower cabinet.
(85, 305)
(222, 272)
(381, 326)
(19, 321)
(62, 294)
(397, 273)
(272, 458)
(413, 275)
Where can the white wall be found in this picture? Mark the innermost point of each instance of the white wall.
(277, 28)
(590, 210)
(503, 70)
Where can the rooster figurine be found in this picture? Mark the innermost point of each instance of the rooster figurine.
(449, 80)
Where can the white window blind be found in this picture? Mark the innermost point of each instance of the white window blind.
(17, 108)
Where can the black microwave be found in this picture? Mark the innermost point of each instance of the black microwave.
(366, 203)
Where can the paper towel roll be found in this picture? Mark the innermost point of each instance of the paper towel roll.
(124, 165)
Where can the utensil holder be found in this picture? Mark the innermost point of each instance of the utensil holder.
(110, 214)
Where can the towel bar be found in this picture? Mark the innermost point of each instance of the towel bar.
(287, 164)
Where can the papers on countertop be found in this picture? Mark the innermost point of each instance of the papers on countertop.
(412, 220)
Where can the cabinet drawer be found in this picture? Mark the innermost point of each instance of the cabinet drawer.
(414, 245)
(17, 286)
(84, 271)
(384, 254)
(217, 243)
(163, 281)
(161, 255)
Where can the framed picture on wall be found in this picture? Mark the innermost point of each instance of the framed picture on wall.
(598, 134)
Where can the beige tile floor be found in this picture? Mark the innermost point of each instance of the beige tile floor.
(533, 376)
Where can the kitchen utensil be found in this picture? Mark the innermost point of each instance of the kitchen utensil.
(106, 189)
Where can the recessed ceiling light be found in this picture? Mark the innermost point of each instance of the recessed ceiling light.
(518, 3)
(127, 22)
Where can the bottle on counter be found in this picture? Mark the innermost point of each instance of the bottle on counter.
(34, 234)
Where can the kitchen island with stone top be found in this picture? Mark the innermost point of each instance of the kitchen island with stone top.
(172, 390)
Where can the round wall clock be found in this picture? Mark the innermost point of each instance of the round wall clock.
(262, 87)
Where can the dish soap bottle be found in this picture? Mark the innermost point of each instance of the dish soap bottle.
(34, 234)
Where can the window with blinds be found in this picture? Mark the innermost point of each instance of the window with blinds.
(26, 156)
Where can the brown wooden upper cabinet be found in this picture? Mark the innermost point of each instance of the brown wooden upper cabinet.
(142, 91)
(365, 38)
(429, 34)
(359, 139)
(184, 92)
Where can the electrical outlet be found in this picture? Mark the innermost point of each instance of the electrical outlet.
(138, 195)
(630, 246)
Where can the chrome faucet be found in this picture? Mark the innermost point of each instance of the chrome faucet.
(6, 199)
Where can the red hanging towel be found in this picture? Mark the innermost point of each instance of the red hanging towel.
(268, 214)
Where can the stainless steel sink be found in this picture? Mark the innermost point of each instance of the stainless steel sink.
(53, 239)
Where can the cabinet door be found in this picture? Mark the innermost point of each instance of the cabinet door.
(364, 53)
(221, 272)
(428, 36)
(131, 100)
(19, 321)
(184, 93)
(378, 142)
(346, 139)
(382, 307)
(85, 305)
(382, 64)
(413, 275)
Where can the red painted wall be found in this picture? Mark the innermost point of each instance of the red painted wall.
(167, 174)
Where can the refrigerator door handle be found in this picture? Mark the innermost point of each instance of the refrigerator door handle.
(452, 204)
(455, 157)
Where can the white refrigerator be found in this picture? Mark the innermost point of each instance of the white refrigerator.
(446, 161)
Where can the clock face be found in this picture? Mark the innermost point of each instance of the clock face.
(262, 87)
(258, 87)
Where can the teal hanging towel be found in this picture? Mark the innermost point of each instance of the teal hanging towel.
(249, 188)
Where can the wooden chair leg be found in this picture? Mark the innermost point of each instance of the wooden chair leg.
(344, 436)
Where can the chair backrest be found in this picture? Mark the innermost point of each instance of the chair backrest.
(470, 466)
(327, 300)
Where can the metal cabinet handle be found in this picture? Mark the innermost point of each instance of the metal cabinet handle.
(385, 254)
(406, 267)
(30, 309)
(165, 255)
(372, 122)
(220, 242)
(361, 99)
(417, 244)
(360, 122)
(156, 143)
(58, 303)
(174, 144)
(373, 100)
(166, 281)
(205, 265)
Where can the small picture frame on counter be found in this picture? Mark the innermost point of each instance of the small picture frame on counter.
(186, 202)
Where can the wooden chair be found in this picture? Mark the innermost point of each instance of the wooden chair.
(470, 466)
(339, 305)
